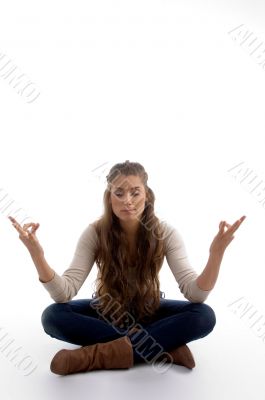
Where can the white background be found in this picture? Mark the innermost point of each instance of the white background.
(162, 83)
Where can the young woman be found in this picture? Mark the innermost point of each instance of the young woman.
(127, 319)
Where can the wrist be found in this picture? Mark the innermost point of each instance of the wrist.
(37, 255)
(216, 254)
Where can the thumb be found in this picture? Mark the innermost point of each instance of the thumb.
(221, 225)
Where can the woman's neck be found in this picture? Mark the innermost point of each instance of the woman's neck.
(130, 228)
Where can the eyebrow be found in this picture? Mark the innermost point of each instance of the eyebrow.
(135, 187)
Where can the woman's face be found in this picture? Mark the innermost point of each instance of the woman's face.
(128, 197)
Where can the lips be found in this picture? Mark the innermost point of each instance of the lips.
(131, 209)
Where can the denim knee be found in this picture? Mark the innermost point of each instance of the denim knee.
(207, 317)
(50, 315)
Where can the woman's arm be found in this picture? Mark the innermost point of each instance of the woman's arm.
(46, 273)
(180, 266)
(61, 288)
(207, 279)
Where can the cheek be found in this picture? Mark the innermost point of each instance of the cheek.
(140, 202)
(114, 201)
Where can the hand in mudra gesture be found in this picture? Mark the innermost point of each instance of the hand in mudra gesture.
(27, 236)
(223, 238)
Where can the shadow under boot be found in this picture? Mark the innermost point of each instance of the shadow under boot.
(114, 354)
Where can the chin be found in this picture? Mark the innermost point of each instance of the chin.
(127, 216)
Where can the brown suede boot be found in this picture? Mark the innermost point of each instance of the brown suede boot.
(181, 356)
(117, 353)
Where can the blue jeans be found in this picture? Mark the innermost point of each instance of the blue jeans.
(175, 323)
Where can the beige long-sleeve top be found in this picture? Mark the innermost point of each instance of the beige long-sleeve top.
(63, 288)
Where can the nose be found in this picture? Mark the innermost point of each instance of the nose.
(127, 199)
(127, 202)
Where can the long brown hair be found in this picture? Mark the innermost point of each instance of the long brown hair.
(112, 254)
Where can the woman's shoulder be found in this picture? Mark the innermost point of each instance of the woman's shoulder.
(171, 235)
(167, 228)
(89, 233)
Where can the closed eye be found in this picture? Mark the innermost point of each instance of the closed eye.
(119, 194)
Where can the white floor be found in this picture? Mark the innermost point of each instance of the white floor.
(229, 365)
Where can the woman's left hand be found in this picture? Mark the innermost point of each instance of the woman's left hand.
(223, 238)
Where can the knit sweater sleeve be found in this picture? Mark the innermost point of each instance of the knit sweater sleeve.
(62, 288)
(177, 259)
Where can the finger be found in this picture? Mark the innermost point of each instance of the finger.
(36, 227)
(13, 220)
(17, 227)
(232, 229)
(33, 230)
(228, 226)
(30, 228)
(15, 224)
(222, 227)
(236, 225)
(21, 231)
(28, 225)
(225, 224)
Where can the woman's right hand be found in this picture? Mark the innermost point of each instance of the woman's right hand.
(28, 237)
